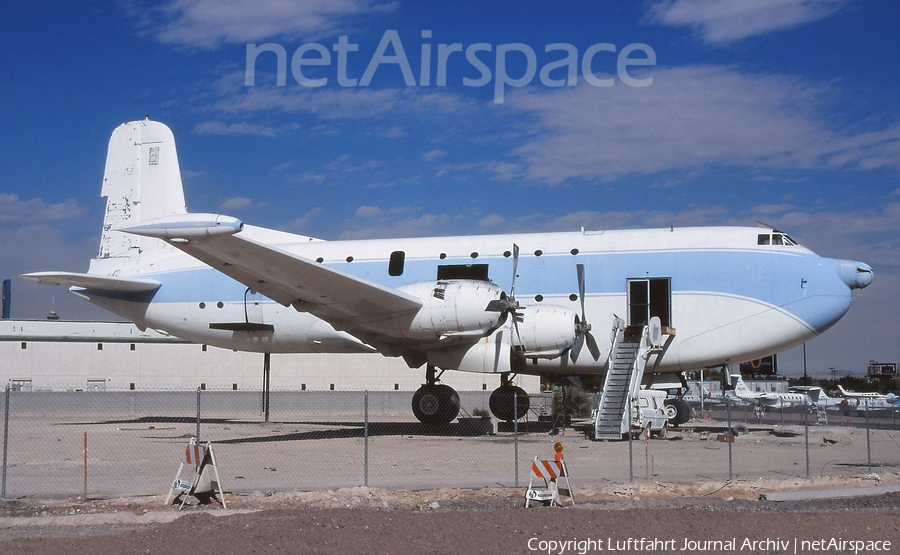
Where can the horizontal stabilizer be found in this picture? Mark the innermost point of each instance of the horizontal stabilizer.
(93, 281)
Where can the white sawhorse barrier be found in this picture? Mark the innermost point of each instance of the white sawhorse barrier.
(198, 457)
(552, 473)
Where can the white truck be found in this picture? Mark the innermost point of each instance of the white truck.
(648, 413)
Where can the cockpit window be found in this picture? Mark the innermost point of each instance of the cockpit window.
(775, 238)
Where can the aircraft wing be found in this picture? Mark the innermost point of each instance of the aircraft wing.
(290, 279)
(93, 281)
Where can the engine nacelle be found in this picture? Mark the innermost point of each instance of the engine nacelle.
(544, 331)
(451, 307)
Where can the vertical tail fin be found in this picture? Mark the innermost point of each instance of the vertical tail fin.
(740, 388)
(142, 181)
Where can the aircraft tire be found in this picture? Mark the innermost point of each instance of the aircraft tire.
(436, 404)
(501, 402)
(682, 411)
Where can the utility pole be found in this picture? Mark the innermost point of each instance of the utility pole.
(805, 377)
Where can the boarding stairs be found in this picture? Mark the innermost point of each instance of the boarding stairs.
(628, 356)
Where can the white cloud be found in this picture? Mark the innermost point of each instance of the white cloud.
(208, 23)
(433, 154)
(395, 132)
(235, 203)
(368, 212)
(219, 128)
(691, 118)
(492, 220)
(334, 104)
(14, 209)
(720, 21)
(299, 225)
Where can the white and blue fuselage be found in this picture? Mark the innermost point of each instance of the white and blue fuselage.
(730, 298)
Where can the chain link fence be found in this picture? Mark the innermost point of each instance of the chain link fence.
(59, 443)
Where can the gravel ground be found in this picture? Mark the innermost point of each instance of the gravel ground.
(644, 517)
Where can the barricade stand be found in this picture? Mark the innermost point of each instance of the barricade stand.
(199, 457)
(551, 472)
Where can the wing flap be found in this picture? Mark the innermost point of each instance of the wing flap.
(93, 281)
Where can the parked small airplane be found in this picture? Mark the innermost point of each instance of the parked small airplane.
(817, 396)
(862, 401)
(694, 397)
(767, 398)
(735, 293)
(861, 394)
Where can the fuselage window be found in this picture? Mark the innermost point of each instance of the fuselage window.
(395, 266)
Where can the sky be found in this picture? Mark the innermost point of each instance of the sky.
(401, 118)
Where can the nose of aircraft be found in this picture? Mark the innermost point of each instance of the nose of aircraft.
(855, 274)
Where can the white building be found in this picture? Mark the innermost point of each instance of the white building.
(118, 356)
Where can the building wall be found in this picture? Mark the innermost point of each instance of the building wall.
(74, 355)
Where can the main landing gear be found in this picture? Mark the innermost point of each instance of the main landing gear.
(435, 403)
(509, 401)
(678, 411)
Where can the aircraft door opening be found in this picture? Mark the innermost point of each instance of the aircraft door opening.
(649, 297)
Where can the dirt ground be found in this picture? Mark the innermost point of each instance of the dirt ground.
(644, 517)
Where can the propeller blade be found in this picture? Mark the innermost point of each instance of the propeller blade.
(582, 327)
(576, 347)
(498, 305)
(579, 268)
(592, 346)
(512, 287)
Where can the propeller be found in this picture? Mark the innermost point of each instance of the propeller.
(507, 304)
(582, 327)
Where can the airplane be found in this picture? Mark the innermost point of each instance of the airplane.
(862, 401)
(767, 398)
(708, 399)
(735, 293)
(861, 394)
(817, 396)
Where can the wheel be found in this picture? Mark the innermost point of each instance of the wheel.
(684, 411)
(436, 404)
(671, 410)
(678, 411)
(501, 402)
(661, 433)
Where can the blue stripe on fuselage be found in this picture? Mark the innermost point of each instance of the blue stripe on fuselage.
(776, 278)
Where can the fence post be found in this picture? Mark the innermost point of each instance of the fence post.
(366, 441)
(630, 440)
(516, 432)
(806, 429)
(198, 415)
(868, 440)
(5, 442)
(730, 437)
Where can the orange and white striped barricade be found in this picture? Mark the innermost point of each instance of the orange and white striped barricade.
(551, 473)
(198, 457)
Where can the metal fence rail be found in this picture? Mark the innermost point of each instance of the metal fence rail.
(124, 443)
